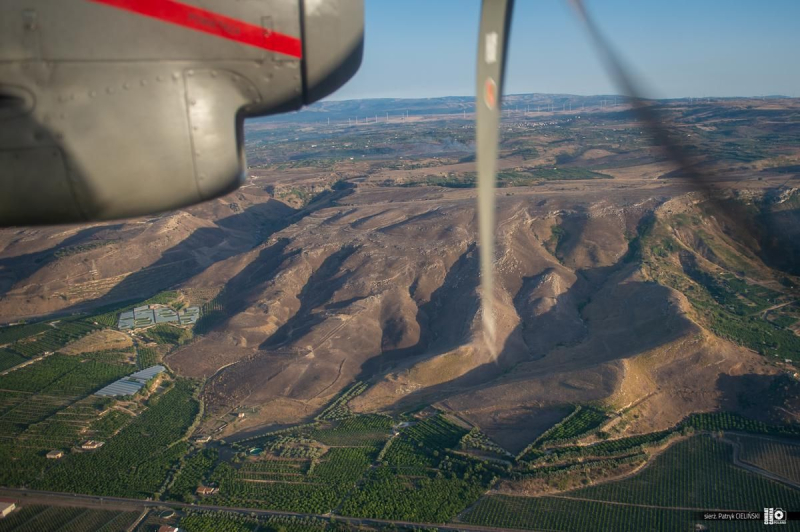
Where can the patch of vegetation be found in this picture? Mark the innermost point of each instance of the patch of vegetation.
(293, 446)
(419, 478)
(319, 491)
(417, 473)
(616, 447)
(583, 421)
(433, 434)
(136, 461)
(526, 152)
(508, 178)
(211, 521)
(643, 230)
(558, 474)
(146, 357)
(64, 375)
(728, 305)
(106, 426)
(108, 315)
(557, 236)
(338, 408)
(780, 458)
(557, 514)
(162, 298)
(295, 194)
(753, 332)
(517, 178)
(18, 332)
(9, 359)
(211, 314)
(193, 472)
(466, 180)
(433, 498)
(370, 429)
(53, 338)
(696, 473)
(477, 440)
(736, 295)
(168, 334)
(664, 248)
(82, 248)
(407, 456)
(722, 421)
(66, 519)
(208, 521)
(784, 320)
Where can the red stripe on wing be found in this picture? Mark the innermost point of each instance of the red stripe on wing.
(212, 23)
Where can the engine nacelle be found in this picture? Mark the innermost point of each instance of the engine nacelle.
(119, 108)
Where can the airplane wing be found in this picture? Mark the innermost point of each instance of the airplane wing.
(118, 108)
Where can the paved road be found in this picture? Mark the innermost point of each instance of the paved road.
(92, 501)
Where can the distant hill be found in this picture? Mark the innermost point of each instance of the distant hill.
(369, 108)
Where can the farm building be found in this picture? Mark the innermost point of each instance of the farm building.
(190, 315)
(131, 384)
(55, 454)
(119, 388)
(143, 318)
(126, 320)
(90, 445)
(205, 490)
(166, 315)
(146, 374)
(146, 316)
(7, 506)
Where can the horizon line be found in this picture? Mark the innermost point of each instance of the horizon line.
(472, 96)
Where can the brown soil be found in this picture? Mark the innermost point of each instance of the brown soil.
(106, 339)
(380, 284)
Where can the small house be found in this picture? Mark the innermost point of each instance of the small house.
(168, 528)
(55, 454)
(7, 506)
(90, 445)
(204, 491)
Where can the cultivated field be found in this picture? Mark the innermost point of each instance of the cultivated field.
(647, 340)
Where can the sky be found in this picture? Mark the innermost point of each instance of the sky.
(677, 48)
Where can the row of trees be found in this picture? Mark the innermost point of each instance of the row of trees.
(137, 460)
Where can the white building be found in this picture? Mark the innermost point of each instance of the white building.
(7, 506)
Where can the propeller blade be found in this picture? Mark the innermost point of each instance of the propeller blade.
(492, 41)
(701, 176)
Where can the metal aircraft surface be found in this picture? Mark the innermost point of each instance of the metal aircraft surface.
(118, 108)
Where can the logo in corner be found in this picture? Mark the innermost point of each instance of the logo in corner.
(774, 516)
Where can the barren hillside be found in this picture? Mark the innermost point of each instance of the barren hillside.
(619, 284)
